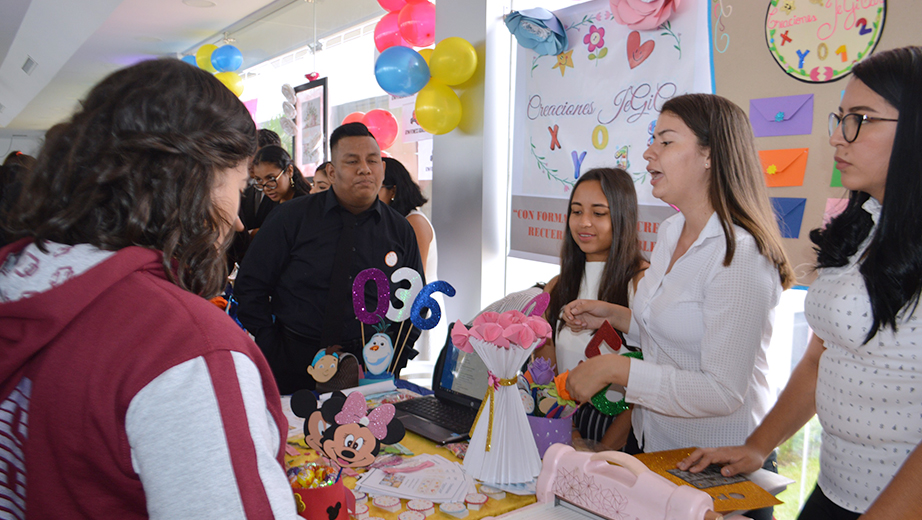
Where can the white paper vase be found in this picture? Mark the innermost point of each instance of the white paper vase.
(513, 456)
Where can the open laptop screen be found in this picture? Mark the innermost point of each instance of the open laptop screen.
(463, 375)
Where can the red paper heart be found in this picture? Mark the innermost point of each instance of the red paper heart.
(607, 334)
(312, 76)
(637, 53)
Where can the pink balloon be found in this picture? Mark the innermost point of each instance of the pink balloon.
(355, 117)
(392, 6)
(383, 125)
(417, 23)
(387, 33)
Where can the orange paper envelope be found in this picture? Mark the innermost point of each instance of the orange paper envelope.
(784, 167)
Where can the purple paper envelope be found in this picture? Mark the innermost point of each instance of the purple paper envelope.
(785, 115)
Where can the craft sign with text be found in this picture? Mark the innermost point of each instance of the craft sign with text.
(820, 41)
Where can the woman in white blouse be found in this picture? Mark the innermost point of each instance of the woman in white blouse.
(862, 372)
(703, 311)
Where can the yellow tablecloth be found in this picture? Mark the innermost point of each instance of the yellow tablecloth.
(418, 445)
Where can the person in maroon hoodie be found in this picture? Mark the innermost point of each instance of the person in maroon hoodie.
(123, 392)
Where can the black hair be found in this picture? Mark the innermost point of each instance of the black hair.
(348, 130)
(892, 263)
(136, 165)
(408, 195)
(266, 137)
(277, 156)
(624, 260)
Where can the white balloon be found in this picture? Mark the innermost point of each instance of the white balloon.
(289, 93)
(289, 110)
(288, 126)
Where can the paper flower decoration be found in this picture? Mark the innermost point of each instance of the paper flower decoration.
(506, 330)
(503, 342)
(643, 15)
(541, 371)
(538, 29)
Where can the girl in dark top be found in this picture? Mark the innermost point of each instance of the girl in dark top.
(277, 176)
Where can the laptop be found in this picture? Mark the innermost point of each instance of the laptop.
(459, 383)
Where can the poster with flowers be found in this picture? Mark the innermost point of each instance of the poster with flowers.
(595, 104)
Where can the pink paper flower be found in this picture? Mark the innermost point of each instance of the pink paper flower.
(486, 317)
(643, 15)
(595, 39)
(512, 328)
(519, 334)
(460, 337)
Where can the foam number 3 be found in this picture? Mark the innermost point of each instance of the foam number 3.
(425, 301)
(358, 295)
(405, 296)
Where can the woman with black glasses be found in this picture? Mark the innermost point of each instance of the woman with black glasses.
(862, 372)
(276, 175)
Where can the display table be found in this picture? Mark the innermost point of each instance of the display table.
(297, 453)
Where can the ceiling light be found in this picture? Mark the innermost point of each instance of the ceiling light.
(199, 3)
(29, 65)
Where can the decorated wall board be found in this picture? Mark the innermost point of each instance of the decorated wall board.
(594, 105)
(798, 161)
(821, 40)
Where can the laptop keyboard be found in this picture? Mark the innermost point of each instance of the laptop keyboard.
(455, 418)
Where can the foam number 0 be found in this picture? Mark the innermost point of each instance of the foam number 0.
(599, 137)
(406, 296)
(425, 301)
(358, 295)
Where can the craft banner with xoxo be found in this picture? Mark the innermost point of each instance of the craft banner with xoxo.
(595, 105)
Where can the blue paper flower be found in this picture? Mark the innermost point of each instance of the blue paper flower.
(538, 29)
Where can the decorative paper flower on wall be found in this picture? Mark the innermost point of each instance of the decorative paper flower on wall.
(643, 15)
(537, 29)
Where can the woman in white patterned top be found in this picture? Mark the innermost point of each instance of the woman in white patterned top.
(703, 311)
(862, 372)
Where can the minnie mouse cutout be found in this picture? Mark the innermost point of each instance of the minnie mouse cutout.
(342, 431)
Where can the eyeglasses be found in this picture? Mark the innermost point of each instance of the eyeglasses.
(851, 124)
(271, 184)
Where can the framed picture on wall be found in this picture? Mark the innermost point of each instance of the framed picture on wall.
(311, 138)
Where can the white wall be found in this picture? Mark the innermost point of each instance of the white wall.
(26, 141)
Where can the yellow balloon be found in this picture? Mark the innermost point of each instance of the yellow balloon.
(203, 57)
(453, 61)
(231, 80)
(425, 53)
(438, 109)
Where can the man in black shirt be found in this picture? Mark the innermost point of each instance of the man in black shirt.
(292, 297)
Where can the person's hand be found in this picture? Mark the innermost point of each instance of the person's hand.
(737, 459)
(580, 315)
(592, 375)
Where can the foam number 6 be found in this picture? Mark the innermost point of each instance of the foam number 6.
(405, 296)
(425, 301)
(358, 295)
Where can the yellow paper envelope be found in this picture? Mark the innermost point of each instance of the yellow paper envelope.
(784, 167)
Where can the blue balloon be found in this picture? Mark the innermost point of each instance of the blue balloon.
(401, 71)
(190, 60)
(226, 58)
